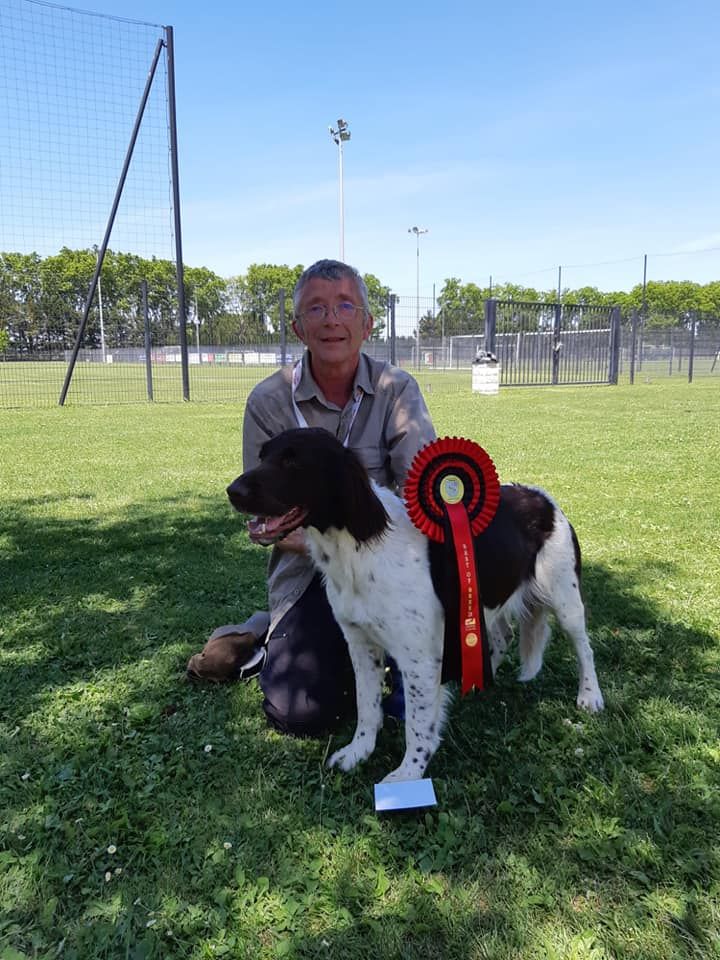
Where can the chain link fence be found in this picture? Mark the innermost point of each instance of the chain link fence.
(133, 352)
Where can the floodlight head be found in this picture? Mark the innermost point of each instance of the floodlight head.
(342, 133)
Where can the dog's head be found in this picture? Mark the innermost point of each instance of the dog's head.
(307, 478)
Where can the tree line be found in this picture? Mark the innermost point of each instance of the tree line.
(662, 303)
(42, 301)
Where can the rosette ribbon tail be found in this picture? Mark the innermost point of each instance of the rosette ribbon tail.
(474, 647)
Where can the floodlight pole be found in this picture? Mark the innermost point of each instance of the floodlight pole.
(340, 136)
(418, 231)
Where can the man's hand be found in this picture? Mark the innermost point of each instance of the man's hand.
(294, 542)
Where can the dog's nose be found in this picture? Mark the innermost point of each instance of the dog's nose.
(237, 491)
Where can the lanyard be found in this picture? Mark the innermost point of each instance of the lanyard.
(302, 422)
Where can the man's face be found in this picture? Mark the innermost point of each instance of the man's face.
(332, 340)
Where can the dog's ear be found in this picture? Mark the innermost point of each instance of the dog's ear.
(364, 514)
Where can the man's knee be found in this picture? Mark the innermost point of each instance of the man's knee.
(301, 715)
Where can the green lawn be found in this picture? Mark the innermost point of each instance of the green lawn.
(143, 817)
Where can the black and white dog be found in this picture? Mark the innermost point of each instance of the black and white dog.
(377, 571)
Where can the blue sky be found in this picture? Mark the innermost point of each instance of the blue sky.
(523, 136)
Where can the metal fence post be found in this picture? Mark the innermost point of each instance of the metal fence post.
(557, 324)
(392, 301)
(490, 324)
(146, 324)
(614, 345)
(283, 327)
(691, 357)
(633, 344)
(671, 354)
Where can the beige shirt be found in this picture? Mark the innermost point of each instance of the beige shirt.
(391, 424)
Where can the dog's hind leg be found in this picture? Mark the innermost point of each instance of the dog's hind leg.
(369, 665)
(499, 637)
(570, 614)
(534, 634)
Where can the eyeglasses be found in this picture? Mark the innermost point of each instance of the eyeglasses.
(343, 311)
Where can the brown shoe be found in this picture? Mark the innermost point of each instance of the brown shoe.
(233, 652)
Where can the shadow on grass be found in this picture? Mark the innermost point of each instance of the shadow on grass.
(85, 594)
(542, 826)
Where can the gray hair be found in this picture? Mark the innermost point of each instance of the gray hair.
(330, 270)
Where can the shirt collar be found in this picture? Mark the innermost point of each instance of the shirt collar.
(308, 388)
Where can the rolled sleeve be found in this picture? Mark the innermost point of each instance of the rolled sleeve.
(409, 428)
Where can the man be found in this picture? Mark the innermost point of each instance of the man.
(377, 410)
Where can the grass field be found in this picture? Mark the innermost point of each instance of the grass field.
(143, 817)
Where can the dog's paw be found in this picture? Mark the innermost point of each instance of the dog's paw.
(400, 775)
(590, 700)
(348, 757)
(530, 669)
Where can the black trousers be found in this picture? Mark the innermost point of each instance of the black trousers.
(307, 678)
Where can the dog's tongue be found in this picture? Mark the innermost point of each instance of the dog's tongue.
(267, 530)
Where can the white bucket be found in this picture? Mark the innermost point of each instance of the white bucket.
(486, 378)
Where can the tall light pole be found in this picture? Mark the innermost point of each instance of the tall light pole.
(340, 136)
(418, 231)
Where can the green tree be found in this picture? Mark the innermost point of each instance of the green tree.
(585, 295)
(263, 282)
(238, 323)
(378, 295)
(710, 301)
(461, 309)
(205, 293)
(20, 296)
(516, 291)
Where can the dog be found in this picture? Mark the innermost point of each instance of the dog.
(378, 573)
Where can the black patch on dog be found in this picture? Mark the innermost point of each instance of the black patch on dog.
(505, 555)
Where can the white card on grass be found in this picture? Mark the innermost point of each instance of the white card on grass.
(404, 795)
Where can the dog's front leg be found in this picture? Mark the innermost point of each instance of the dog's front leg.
(368, 663)
(425, 707)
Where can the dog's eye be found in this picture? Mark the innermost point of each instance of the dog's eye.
(289, 457)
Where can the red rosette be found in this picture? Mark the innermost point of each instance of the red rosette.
(457, 457)
(453, 486)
